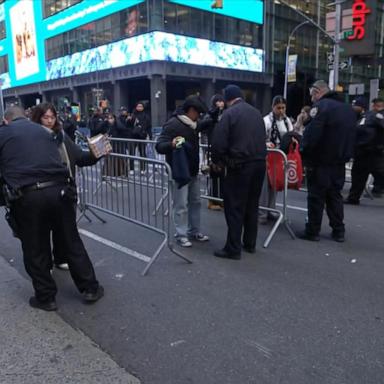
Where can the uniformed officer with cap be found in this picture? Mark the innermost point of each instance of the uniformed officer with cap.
(369, 156)
(41, 196)
(326, 146)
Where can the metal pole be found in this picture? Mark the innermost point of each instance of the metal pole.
(337, 45)
(1, 103)
(287, 55)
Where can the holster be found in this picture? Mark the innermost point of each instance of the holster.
(12, 223)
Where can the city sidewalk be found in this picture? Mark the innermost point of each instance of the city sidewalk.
(40, 347)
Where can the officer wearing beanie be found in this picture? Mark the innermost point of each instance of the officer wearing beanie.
(238, 145)
(369, 151)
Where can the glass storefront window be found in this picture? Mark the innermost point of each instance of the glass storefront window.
(123, 24)
(51, 7)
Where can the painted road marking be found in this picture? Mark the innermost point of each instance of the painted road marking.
(114, 245)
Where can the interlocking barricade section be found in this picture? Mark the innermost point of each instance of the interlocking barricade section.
(133, 188)
(279, 168)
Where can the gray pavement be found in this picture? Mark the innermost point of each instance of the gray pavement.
(40, 347)
(295, 313)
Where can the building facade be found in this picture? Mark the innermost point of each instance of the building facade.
(116, 52)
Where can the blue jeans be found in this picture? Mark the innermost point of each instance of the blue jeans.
(186, 208)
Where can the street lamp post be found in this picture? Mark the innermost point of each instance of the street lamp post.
(287, 55)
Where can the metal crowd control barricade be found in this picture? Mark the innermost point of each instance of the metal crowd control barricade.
(142, 197)
(282, 218)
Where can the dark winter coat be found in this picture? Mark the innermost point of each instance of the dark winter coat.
(240, 135)
(329, 137)
(173, 128)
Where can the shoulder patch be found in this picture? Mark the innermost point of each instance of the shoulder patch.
(313, 112)
(379, 116)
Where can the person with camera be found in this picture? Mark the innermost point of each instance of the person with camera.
(72, 155)
(239, 146)
(179, 142)
(42, 198)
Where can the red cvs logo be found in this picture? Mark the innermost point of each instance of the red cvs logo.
(359, 12)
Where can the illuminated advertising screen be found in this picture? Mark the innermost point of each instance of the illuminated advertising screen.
(157, 46)
(24, 39)
(250, 10)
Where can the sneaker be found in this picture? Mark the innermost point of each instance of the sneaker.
(62, 266)
(308, 236)
(338, 236)
(199, 237)
(184, 242)
(351, 201)
(91, 297)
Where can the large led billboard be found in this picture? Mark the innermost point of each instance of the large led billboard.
(157, 46)
(250, 10)
(26, 32)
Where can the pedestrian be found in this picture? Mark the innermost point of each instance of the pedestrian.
(327, 146)
(72, 155)
(141, 128)
(239, 145)
(42, 197)
(182, 130)
(369, 151)
(216, 178)
(277, 126)
(302, 120)
(70, 124)
(378, 104)
(96, 122)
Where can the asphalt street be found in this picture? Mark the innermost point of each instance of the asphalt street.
(295, 313)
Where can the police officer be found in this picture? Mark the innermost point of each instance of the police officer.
(239, 144)
(369, 155)
(41, 198)
(326, 146)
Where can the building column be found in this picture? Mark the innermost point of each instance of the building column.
(207, 91)
(158, 86)
(120, 97)
(75, 95)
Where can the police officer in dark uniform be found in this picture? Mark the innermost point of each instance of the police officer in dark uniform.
(42, 196)
(326, 146)
(369, 154)
(238, 144)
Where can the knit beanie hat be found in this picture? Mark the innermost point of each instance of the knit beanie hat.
(232, 92)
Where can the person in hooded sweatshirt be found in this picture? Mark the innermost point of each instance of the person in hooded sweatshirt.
(326, 147)
(182, 130)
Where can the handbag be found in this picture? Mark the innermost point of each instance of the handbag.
(295, 167)
(275, 171)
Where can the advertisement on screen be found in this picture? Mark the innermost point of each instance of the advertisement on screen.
(250, 10)
(160, 46)
(24, 39)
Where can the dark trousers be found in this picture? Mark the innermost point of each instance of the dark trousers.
(364, 165)
(242, 187)
(37, 213)
(324, 189)
(142, 152)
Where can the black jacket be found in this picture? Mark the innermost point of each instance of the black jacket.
(143, 119)
(97, 125)
(77, 156)
(173, 128)
(240, 135)
(29, 154)
(370, 133)
(329, 137)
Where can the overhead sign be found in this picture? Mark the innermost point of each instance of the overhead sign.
(360, 32)
(250, 10)
(292, 62)
(356, 89)
(359, 12)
